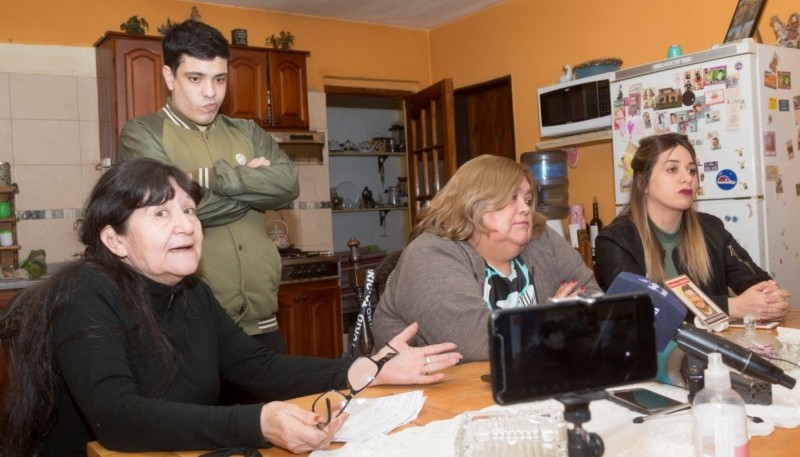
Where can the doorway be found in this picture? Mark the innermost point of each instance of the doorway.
(485, 120)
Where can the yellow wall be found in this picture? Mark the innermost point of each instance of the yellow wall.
(523, 38)
(532, 39)
(378, 56)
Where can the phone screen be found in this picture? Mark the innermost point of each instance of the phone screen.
(552, 349)
(642, 400)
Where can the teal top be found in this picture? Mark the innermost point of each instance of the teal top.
(669, 241)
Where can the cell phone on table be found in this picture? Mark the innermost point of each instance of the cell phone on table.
(641, 400)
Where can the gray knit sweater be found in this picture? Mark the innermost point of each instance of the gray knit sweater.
(439, 283)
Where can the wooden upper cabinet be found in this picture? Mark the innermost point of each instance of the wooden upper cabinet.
(129, 84)
(247, 86)
(288, 91)
(265, 85)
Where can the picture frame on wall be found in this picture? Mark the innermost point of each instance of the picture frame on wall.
(745, 20)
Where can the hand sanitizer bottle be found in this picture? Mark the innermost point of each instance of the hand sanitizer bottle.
(720, 420)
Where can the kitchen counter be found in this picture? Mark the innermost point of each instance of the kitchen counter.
(19, 283)
(9, 284)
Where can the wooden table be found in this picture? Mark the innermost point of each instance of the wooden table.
(462, 390)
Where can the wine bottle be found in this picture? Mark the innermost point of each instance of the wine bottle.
(594, 225)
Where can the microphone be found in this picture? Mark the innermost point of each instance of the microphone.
(669, 311)
(669, 315)
(700, 343)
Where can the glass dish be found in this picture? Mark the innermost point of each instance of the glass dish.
(522, 433)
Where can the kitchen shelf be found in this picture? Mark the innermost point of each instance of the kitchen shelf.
(366, 210)
(575, 140)
(9, 255)
(367, 154)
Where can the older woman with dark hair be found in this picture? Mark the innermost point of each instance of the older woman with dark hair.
(478, 246)
(127, 346)
(660, 235)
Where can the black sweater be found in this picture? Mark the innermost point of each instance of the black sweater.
(107, 381)
(619, 248)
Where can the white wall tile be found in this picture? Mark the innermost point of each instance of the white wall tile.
(38, 142)
(89, 142)
(5, 100)
(89, 177)
(55, 236)
(43, 97)
(87, 99)
(48, 60)
(6, 152)
(317, 113)
(48, 186)
(313, 183)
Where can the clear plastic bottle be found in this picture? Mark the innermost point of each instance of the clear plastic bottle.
(720, 420)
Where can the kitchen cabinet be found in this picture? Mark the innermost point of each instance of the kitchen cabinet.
(5, 296)
(288, 91)
(310, 318)
(266, 85)
(269, 87)
(129, 83)
(9, 255)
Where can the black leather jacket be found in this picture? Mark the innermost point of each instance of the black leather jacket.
(619, 248)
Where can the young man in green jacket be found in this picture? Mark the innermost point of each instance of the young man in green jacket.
(241, 167)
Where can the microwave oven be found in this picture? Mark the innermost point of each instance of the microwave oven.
(577, 106)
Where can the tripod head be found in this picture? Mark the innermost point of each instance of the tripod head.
(581, 443)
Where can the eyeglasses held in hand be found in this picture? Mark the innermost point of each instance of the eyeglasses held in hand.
(360, 375)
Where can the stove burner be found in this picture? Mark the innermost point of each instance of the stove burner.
(302, 266)
(294, 253)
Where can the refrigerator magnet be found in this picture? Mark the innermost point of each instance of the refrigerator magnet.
(783, 105)
(769, 144)
(710, 166)
(727, 179)
(688, 98)
(773, 172)
(790, 149)
(770, 80)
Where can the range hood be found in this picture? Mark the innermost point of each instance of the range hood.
(301, 146)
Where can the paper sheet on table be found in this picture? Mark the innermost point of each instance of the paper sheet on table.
(374, 416)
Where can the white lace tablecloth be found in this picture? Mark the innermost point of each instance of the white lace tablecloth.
(667, 436)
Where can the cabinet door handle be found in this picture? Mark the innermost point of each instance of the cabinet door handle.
(300, 298)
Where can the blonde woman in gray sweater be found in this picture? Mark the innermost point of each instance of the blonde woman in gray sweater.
(479, 245)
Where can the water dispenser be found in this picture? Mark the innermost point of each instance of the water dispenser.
(549, 170)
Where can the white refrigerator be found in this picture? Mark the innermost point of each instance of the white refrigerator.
(739, 104)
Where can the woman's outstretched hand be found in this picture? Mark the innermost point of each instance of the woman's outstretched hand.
(415, 365)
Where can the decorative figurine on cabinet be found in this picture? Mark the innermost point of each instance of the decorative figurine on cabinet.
(788, 34)
(567, 74)
(366, 198)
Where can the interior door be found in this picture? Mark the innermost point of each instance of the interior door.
(430, 142)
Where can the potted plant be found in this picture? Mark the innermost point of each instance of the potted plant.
(284, 40)
(135, 25)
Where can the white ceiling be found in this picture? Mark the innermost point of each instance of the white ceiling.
(422, 14)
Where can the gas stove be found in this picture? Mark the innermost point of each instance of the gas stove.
(305, 266)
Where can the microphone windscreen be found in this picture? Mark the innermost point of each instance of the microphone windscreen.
(669, 311)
